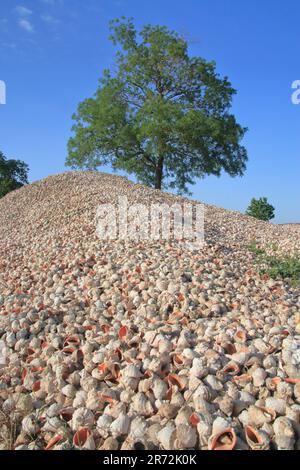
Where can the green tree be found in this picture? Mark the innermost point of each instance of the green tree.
(162, 115)
(261, 209)
(13, 174)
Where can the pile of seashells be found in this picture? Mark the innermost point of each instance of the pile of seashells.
(147, 345)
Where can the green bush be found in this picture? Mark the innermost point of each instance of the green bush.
(13, 174)
(277, 267)
(285, 267)
(261, 209)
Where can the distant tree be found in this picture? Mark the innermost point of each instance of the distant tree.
(261, 209)
(162, 115)
(13, 174)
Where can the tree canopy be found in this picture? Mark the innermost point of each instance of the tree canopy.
(161, 115)
(261, 209)
(13, 174)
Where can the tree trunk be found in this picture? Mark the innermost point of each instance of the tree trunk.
(159, 173)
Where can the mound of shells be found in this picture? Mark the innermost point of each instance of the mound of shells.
(141, 345)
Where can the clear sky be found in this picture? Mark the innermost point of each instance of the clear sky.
(52, 53)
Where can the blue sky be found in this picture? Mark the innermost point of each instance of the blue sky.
(52, 53)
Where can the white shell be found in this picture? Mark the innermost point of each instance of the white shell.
(69, 391)
(259, 377)
(138, 428)
(29, 425)
(132, 371)
(284, 433)
(103, 425)
(186, 437)
(142, 405)
(120, 425)
(82, 417)
(166, 437)
(159, 388)
(276, 404)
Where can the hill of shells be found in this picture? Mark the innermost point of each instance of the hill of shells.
(141, 345)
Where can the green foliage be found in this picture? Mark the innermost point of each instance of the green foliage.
(285, 267)
(254, 248)
(261, 209)
(13, 174)
(277, 267)
(162, 115)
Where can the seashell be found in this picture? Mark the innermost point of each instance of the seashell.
(164, 346)
(138, 428)
(92, 401)
(242, 380)
(110, 444)
(240, 336)
(284, 390)
(134, 444)
(54, 441)
(198, 369)
(83, 439)
(120, 426)
(201, 405)
(126, 396)
(53, 424)
(219, 424)
(228, 347)
(183, 415)
(293, 413)
(69, 391)
(186, 437)
(166, 437)
(123, 331)
(168, 410)
(132, 371)
(194, 383)
(276, 404)
(240, 357)
(74, 378)
(155, 365)
(256, 440)
(159, 388)
(258, 377)
(291, 380)
(205, 392)
(268, 429)
(73, 340)
(226, 405)
(80, 399)
(130, 383)
(142, 405)
(150, 336)
(98, 357)
(53, 410)
(232, 368)
(297, 392)
(225, 440)
(284, 434)
(214, 383)
(258, 416)
(115, 409)
(232, 390)
(30, 425)
(103, 425)
(66, 413)
(194, 419)
(177, 380)
(204, 430)
(152, 432)
(82, 417)
(8, 406)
